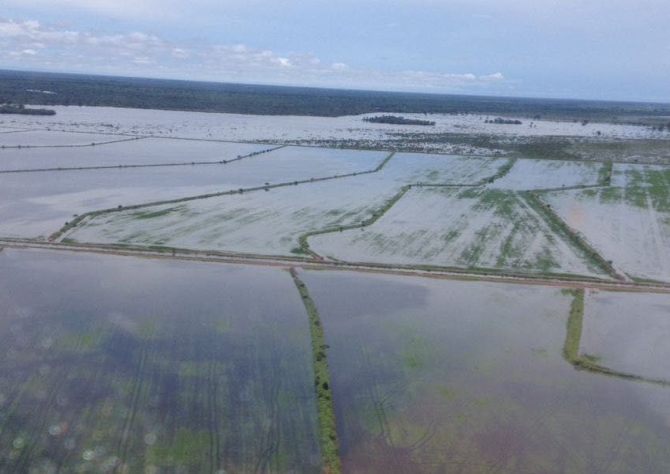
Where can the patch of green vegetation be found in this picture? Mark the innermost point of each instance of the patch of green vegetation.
(186, 449)
(154, 214)
(502, 201)
(547, 148)
(545, 260)
(298, 251)
(660, 198)
(83, 341)
(623, 151)
(327, 428)
(636, 197)
(507, 247)
(605, 174)
(502, 171)
(416, 353)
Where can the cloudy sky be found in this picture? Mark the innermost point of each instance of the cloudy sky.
(592, 49)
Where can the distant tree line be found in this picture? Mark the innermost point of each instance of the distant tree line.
(395, 120)
(47, 89)
(503, 121)
(22, 110)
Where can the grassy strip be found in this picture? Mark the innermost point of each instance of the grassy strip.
(502, 171)
(555, 221)
(328, 431)
(383, 163)
(587, 362)
(304, 245)
(574, 329)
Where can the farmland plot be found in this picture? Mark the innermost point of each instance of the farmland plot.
(628, 332)
(467, 228)
(630, 226)
(270, 223)
(45, 138)
(414, 168)
(256, 222)
(628, 175)
(147, 151)
(543, 174)
(36, 204)
(289, 163)
(111, 364)
(445, 376)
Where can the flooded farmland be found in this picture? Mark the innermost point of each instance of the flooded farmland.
(188, 305)
(111, 364)
(446, 376)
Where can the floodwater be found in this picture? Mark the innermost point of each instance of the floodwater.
(114, 364)
(446, 376)
(628, 332)
(125, 151)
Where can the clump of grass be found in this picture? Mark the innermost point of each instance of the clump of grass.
(327, 429)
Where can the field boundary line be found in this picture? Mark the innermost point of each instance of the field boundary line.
(148, 165)
(424, 271)
(330, 456)
(84, 145)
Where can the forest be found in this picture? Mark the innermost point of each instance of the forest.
(49, 89)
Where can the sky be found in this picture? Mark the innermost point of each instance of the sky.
(582, 49)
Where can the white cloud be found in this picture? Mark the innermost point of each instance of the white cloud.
(498, 76)
(142, 54)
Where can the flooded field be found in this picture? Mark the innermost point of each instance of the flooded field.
(629, 226)
(268, 223)
(36, 204)
(628, 333)
(112, 364)
(242, 222)
(444, 376)
(125, 151)
(167, 365)
(460, 227)
(44, 138)
(542, 174)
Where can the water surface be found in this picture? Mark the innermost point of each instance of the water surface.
(152, 366)
(446, 376)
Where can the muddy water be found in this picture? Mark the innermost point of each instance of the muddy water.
(444, 376)
(113, 363)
